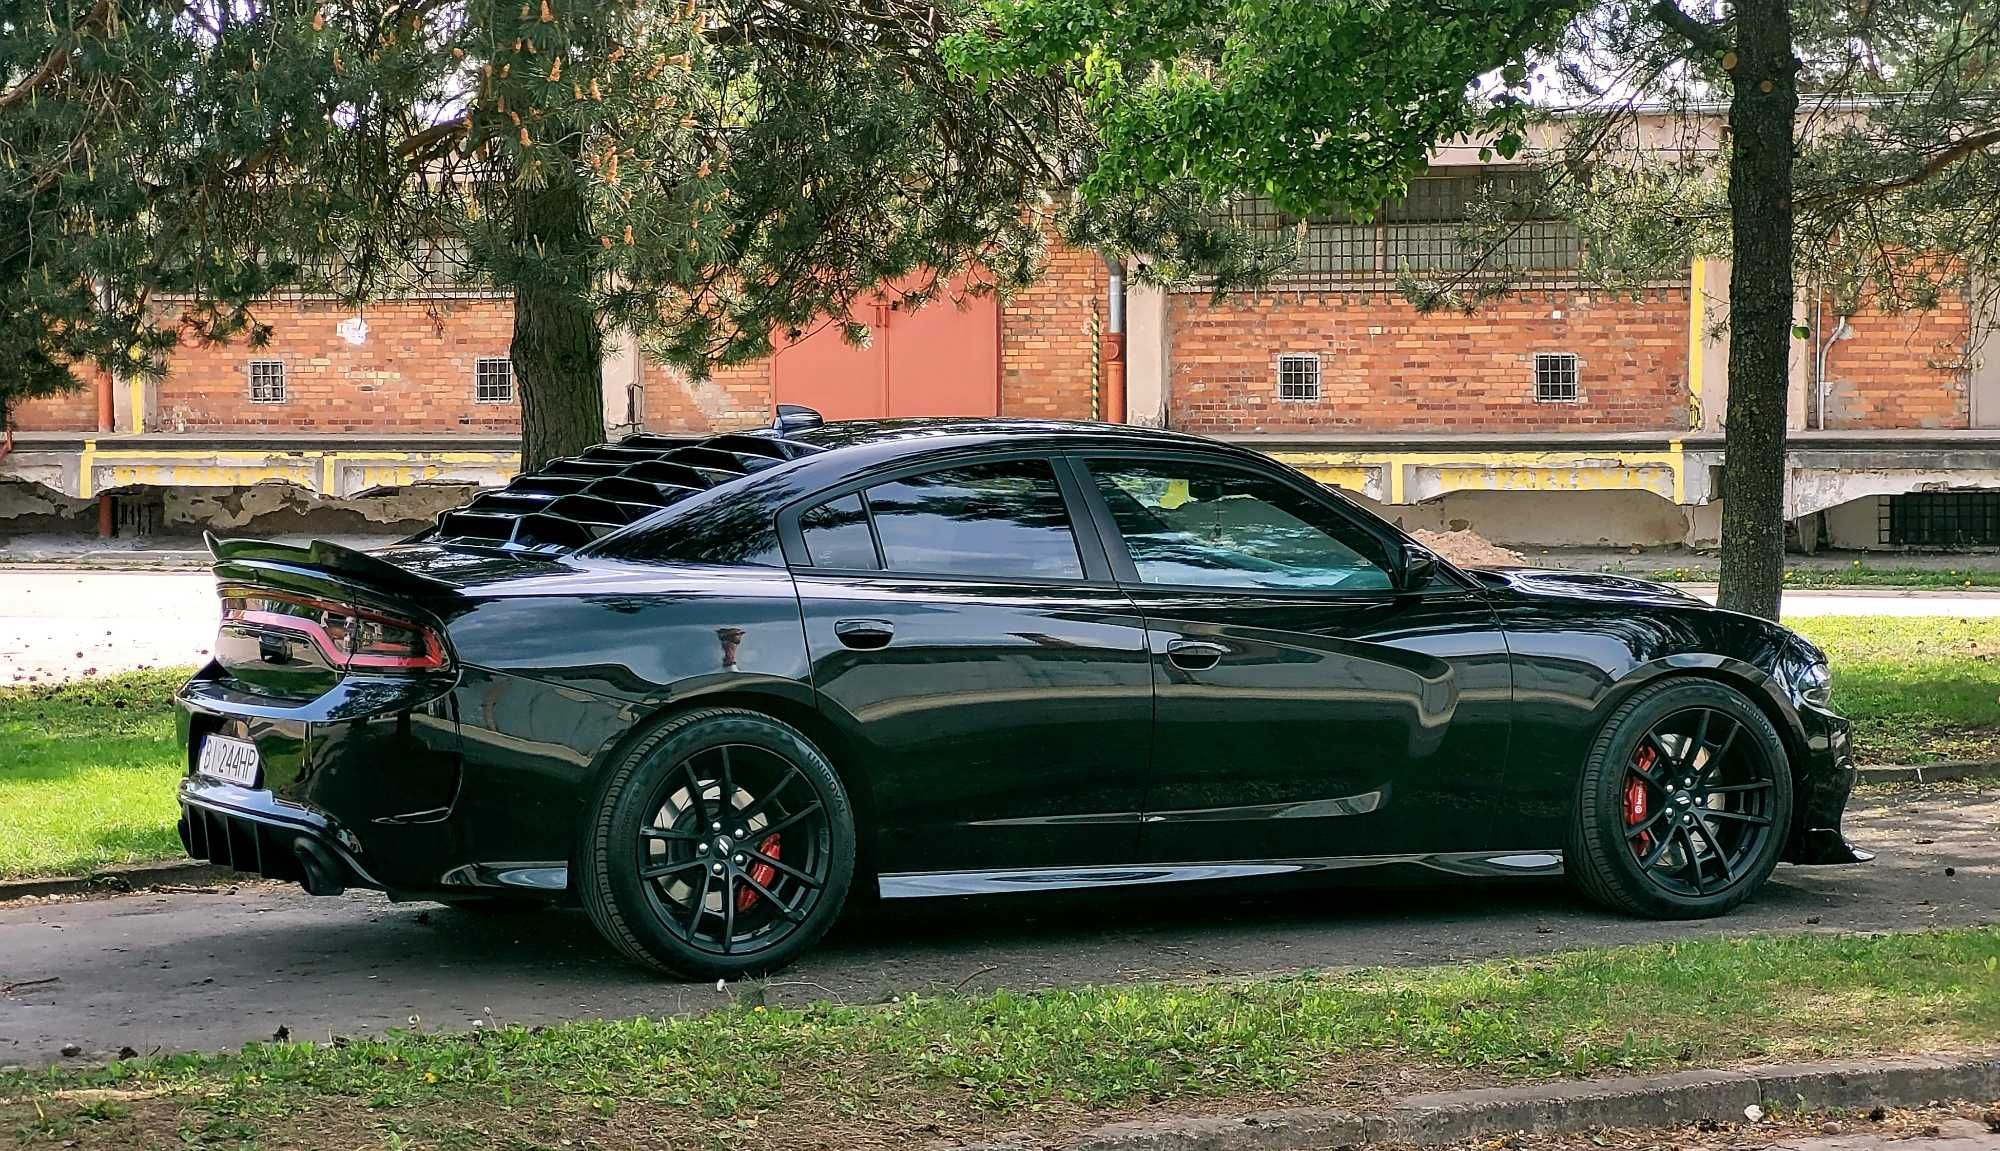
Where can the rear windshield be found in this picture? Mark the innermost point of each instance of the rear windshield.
(733, 527)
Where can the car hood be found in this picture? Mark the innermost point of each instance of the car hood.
(1601, 587)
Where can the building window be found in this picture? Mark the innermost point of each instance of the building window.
(1555, 377)
(1298, 378)
(1941, 519)
(267, 381)
(493, 381)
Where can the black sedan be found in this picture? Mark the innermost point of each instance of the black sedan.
(706, 686)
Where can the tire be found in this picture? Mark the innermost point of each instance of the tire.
(1643, 843)
(667, 879)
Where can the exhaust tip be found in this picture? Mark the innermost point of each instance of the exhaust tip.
(319, 872)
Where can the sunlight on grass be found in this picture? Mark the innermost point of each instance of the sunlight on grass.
(1919, 688)
(87, 774)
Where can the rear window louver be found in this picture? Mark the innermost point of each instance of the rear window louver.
(571, 501)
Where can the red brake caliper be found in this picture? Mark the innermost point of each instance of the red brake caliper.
(1635, 797)
(760, 871)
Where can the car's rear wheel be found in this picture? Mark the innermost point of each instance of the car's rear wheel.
(1685, 802)
(722, 846)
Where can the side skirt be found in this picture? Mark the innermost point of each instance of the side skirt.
(927, 884)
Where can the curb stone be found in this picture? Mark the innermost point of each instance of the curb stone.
(1932, 772)
(135, 878)
(1569, 1107)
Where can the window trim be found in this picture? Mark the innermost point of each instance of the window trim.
(1126, 573)
(1089, 547)
(284, 379)
(480, 361)
(1575, 377)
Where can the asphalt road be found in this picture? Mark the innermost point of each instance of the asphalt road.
(59, 623)
(212, 970)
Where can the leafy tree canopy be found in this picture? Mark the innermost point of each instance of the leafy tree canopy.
(1316, 104)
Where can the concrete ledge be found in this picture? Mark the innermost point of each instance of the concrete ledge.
(1556, 1108)
(1932, 772)
(179, 873)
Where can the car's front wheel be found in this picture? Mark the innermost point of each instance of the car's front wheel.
(722, 845)
(1684, 805)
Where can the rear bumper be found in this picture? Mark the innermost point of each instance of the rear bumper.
(355, 788)
(253, 832)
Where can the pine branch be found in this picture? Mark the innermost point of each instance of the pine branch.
(55, 61)
(1706, 38)
(1961, 148)
(431, 135)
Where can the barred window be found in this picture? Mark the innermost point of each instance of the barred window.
(493, 380)
(267, 381)
(1555, 378)
(1485, 222)
(1941, 519)
(1298, 378)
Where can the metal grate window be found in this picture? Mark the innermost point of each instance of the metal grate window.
(493, 380)
(267, 381)
(1447, 223)
(1298, 378)
(1555, 378)
(1941, 519)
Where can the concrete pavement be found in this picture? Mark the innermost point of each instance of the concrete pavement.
(57, 623)
(213, 970)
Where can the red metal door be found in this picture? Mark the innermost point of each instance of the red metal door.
(942, 360)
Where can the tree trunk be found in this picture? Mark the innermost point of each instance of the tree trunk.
(558, 351)
(1762, 111)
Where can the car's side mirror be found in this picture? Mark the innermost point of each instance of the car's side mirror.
(1415, 569)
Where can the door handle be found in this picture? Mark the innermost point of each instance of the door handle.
(864, 634)
(1194, 654)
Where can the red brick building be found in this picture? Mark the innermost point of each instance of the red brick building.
(1554, 414)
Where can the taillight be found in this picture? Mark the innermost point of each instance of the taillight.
(347, 636)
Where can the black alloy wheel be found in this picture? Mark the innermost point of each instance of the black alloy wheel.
(715, 851)
(1685, 802)
(723, 847)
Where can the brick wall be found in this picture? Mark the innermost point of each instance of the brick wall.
(733, 397)
(414, 372)
(1046, 347)
(1899, 370)
(1384, 367)
(1046, 359)
(71, 411)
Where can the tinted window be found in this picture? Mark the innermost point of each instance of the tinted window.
(999, 519)
(837, 534)
(1215, 527)
(725, 528)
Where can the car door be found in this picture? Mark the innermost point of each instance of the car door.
(1306, 705)
(985, 673)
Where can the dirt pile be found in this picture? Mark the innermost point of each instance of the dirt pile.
(1469, 549)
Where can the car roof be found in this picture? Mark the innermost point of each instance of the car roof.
(611, 489)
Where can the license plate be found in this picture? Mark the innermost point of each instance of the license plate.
(230, 760)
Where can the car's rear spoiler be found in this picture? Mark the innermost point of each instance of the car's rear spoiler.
(327, 559)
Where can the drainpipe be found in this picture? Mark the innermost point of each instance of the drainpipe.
(1841, 331)
(106, 417)
(1114, 342)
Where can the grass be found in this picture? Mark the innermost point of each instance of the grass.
(1855, 574)
(1919, 689)
(922, 1069)
(87, 773)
